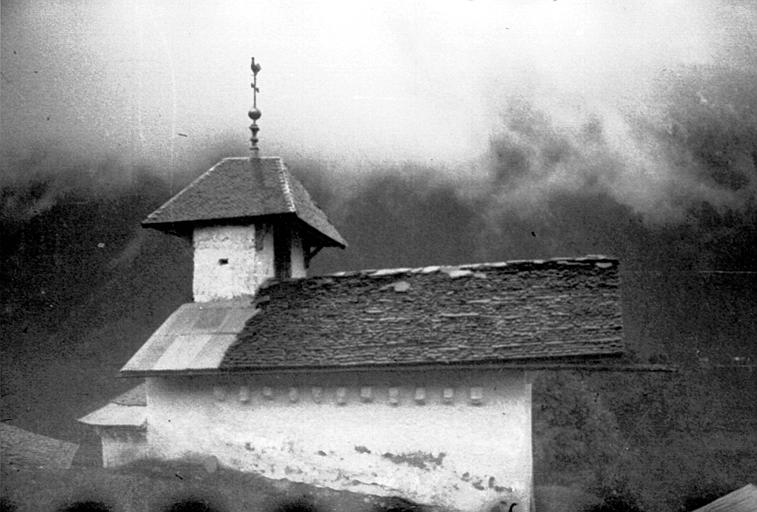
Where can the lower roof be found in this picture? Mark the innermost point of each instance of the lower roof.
(494, 313)
(126, 410)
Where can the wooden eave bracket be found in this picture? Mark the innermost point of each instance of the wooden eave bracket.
(311, 252)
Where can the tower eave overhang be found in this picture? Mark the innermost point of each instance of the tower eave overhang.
(184, 228)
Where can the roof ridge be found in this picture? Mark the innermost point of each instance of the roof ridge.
(183, 191)
(287, 188)
(377, 272)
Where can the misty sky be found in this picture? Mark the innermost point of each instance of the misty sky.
(585, 93)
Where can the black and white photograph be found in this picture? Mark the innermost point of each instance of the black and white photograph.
(378, 256)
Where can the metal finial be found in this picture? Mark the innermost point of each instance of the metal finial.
(254, 113)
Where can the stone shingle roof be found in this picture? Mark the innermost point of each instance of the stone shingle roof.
(487, 313)
(243, 188)
(515, 312)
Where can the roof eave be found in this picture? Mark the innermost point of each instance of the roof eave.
(323, 239)
(598, 362)
(184, 227)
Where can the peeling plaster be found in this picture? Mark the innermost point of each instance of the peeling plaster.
(452, 454)
(418, 459)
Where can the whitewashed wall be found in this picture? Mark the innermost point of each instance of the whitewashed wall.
(248, 252)
(122, 445)
(247, 264)
(461, 439)
(297, 256)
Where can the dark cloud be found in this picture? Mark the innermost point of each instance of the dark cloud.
(552, 190)
(675, 189)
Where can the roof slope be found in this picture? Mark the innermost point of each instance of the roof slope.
(527, 310)
(126, 410)
(194, 338)
(242, 188)
(135, 397)
(490, 313)
(740, 500)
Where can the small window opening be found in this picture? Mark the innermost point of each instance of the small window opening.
(223, 261)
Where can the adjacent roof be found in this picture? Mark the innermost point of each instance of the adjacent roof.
(136, 396)
(520, 311)
(22, 448)
(126, 410)
(740, 500)
(195, 337)
(243, 188)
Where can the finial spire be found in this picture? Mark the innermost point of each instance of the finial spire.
(254, 113)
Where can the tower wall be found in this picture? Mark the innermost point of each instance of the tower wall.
(231, 261)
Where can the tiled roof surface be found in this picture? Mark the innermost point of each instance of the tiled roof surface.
(194, 338)
(238, 188)
(515, 311)
(740, 500)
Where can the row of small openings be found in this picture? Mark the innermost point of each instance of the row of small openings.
(394, 395)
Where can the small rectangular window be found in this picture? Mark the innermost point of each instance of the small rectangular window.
(223, 261)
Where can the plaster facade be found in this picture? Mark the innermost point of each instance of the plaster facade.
(231, 261)
(226, 262)
(460, 439)
(123, 445)
(297, 256)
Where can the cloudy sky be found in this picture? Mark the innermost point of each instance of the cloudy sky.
(543, 95)
(389, 80)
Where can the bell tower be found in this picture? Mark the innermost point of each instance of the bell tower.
(249, 220)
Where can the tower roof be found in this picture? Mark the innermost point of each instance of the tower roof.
(238, 189)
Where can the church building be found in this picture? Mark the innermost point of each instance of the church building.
(410, 382)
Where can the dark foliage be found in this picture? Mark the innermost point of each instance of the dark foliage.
(190, 505)
(301, 504)
(6, 505)
(700, 494)
(86, 506)
(616, 504)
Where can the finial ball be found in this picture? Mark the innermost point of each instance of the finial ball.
(254, 114)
